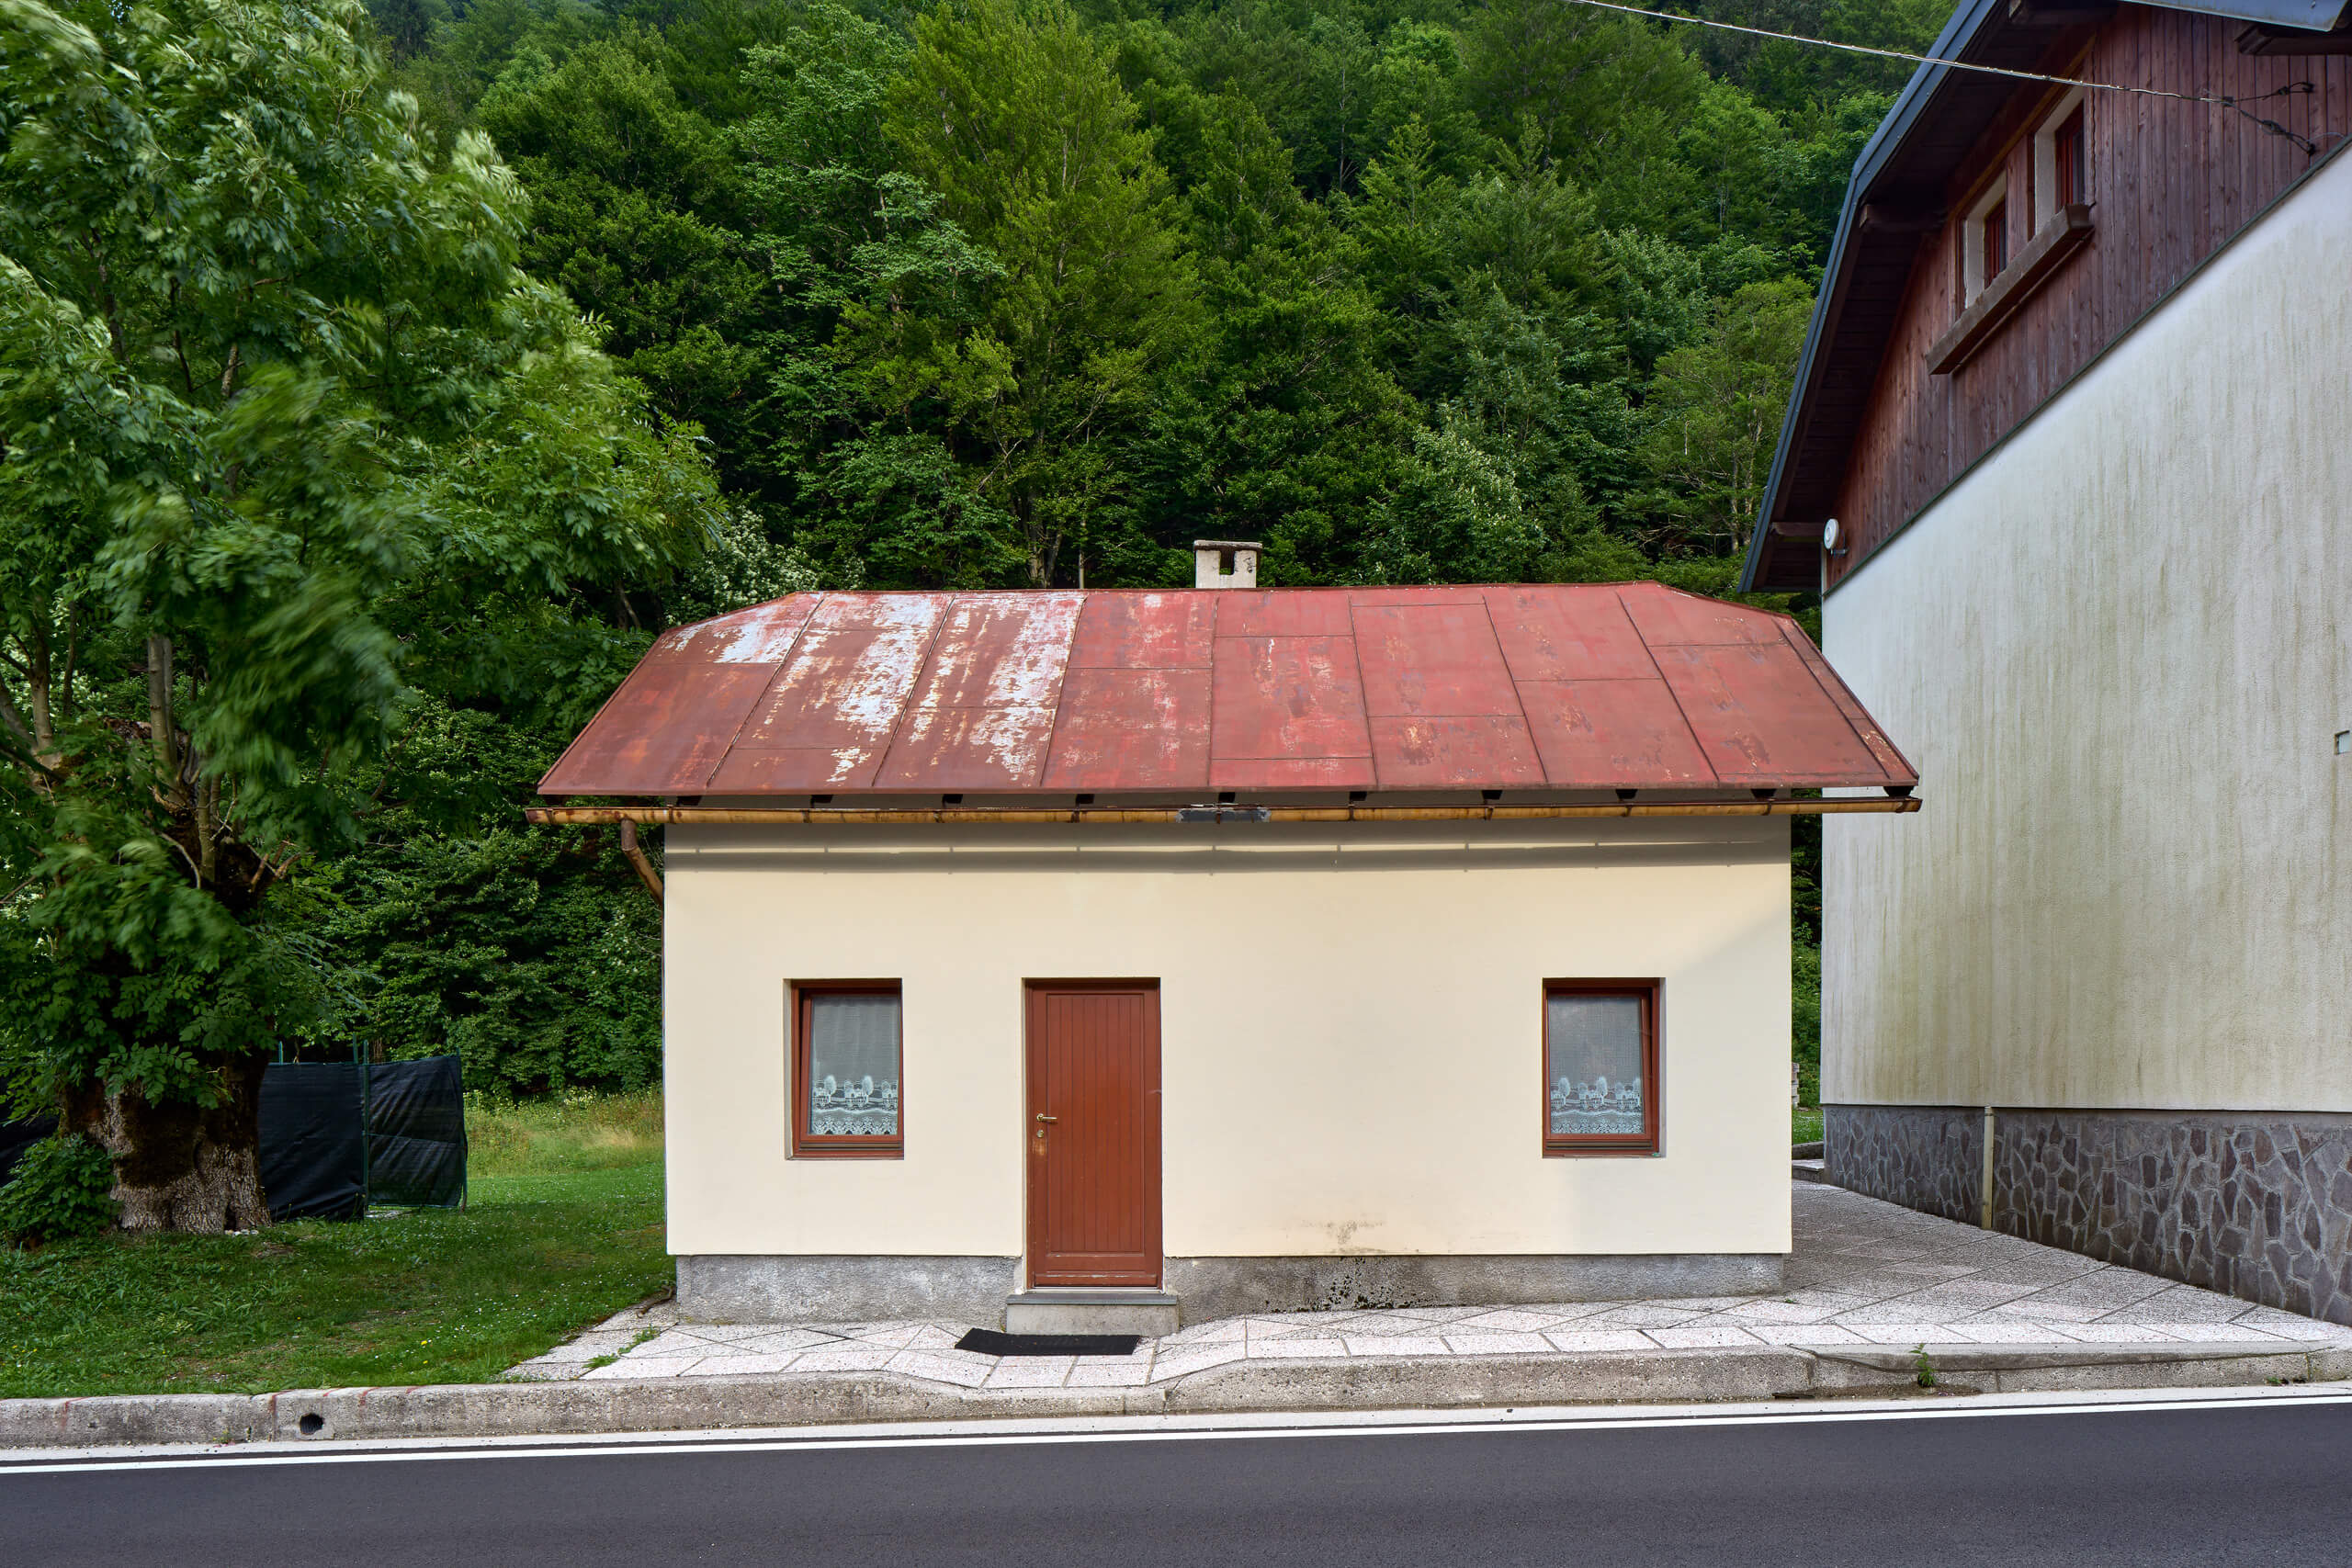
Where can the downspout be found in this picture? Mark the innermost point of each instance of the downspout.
(1985, 1201)
(637, 857)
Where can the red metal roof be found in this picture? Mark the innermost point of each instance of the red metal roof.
(1516, 687)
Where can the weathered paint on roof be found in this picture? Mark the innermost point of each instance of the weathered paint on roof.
(1516, 687)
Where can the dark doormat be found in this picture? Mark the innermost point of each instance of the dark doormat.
(989, 1342)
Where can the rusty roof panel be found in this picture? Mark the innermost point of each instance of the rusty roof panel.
(1132, 729)
(850, 676)
(1277, 612)
(1613, 735)
(1145, 631)
(960, 749)
(1432, 659)
(1496, 687)
(1897, 766)
(799, 771)
(1749, 707)
(1362, 598)
(1550, 636)
(1668, 618)
(662, 732)
(1466, 753)
(999, 650)
(761, 635)
(1288, 696)
(1239, 773)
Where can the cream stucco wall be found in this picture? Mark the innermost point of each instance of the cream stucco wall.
(1351, 1029)
(2118, 652)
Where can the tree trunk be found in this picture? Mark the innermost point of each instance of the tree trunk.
(184, 1167)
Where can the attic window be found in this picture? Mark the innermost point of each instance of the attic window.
(1984, 240)
(2061, 172)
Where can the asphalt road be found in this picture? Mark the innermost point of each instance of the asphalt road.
(2210, 1487)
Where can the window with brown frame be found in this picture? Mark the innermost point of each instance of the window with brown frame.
(1984, 241)
(1996, 240)
(846, 1095)
(1600, 1081)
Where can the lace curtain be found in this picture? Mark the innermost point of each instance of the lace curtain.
(1592, 1052)
(854, 1065)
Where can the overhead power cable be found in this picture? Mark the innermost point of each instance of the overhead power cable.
(2215, 100)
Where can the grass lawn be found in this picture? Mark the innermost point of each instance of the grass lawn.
(563, 1226)
(1805, 1125)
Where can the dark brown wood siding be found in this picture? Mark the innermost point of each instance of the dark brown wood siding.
(2170, 183)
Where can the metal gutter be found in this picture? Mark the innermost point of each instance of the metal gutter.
(729, 815)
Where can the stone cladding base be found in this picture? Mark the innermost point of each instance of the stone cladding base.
(2257, 1205)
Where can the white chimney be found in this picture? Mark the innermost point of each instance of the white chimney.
(1224, 563)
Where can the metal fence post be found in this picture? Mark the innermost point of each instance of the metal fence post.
(366, 1132)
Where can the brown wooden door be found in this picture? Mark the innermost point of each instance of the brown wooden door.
(1093, 1134)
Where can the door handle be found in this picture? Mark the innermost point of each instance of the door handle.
(1042, 1117)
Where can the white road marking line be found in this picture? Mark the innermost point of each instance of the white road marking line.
(1161, 1430)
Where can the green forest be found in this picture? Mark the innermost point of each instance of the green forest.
(375, 383)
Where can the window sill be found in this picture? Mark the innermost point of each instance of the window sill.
(1599, 1151)
(2067, 232)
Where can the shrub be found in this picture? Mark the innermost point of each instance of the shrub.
(58, 1189)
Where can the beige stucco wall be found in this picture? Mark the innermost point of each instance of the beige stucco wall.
(1351, 1028)
(2117, 651)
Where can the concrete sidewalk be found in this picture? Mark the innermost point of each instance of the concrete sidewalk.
(1864, 1275)
(1868, 1286)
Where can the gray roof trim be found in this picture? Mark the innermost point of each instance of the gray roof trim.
(2318, 16)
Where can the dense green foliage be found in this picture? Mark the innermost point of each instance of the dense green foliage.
(373, 385)
(57, 1189)
(564, 1228)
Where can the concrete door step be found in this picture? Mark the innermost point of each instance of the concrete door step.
(1808, 1170)
(1088, 1310)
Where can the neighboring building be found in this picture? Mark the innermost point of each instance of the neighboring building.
(1030, 953)
(2079, 397)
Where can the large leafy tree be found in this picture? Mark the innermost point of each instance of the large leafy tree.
(1282, 423)
(1716, 406)
(1010, 111)
(635, 214)
(865, 278)
(287, 437)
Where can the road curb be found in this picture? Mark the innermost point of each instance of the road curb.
(535, 1409)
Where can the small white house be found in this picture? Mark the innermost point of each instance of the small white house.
(1081, 959)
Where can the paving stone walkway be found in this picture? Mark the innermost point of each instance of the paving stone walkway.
(1863, 1272)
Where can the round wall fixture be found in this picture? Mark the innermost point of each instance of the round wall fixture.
(1829, 532)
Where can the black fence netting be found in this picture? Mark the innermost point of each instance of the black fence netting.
(338, 1136)
(313, 1144)
(416, 1133)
